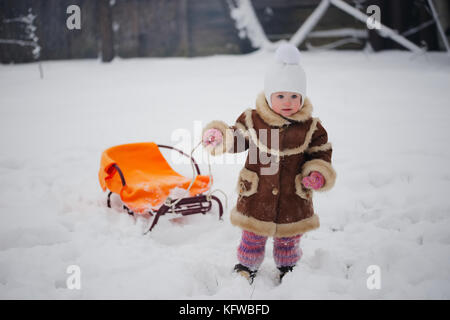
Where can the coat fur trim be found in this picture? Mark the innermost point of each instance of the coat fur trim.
(251, 177)
(263, 228)
(272, 229)
(324, 147)
(227, 136)
(278, 153)
(242, 129)
(324, 168)
(272, 118)
(294, 228)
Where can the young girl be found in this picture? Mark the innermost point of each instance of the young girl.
(289, 157)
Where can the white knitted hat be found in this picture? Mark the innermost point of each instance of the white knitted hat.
(285, 73)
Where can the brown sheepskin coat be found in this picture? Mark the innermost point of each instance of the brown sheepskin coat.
(272, 200)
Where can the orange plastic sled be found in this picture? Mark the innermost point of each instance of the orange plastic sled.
(143, 179)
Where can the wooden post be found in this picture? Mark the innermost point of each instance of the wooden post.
(184, 28)
(106, 31)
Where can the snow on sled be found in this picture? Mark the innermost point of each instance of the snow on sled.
(141, 176)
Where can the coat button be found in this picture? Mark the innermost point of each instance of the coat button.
(274, 191)
(241, 187)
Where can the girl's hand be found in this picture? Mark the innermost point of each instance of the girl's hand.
(212, 137)
(315, 180)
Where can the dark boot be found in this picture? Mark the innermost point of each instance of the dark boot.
(245, 272)
(284, 270)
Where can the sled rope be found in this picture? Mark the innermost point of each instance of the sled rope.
(216, 190)
(194, 175)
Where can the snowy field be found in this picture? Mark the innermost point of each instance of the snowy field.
(388, 118)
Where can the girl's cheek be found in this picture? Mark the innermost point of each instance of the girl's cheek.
(276, 106)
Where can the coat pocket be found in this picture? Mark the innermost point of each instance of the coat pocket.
(300, 189)
(247, 183)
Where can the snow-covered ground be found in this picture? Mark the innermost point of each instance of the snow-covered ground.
(387, 115)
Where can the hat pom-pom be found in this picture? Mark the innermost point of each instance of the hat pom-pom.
(288, 54)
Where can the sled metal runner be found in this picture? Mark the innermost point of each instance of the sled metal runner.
(133, 195)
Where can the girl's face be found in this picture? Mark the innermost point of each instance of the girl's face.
(286, 103)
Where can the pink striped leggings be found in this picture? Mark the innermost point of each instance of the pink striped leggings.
(286, 250)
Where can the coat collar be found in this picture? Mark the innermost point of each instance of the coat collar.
(274, 119)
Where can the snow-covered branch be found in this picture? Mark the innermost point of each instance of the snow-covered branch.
(32, 39)
(247, 23)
